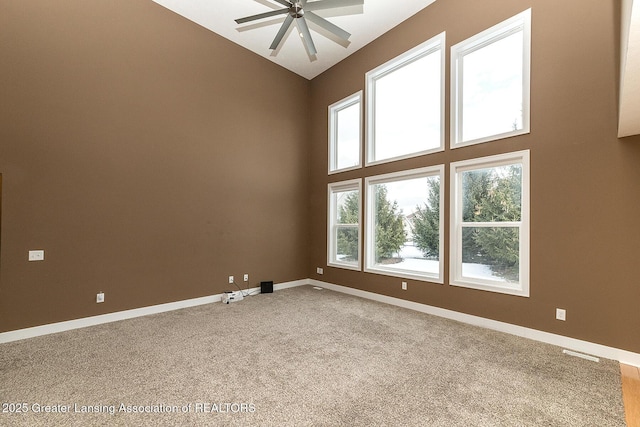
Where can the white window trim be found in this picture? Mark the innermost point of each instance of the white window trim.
(430, 46)
(520, 22)
(350, 185)
(370, 241)
(455, 263)
(334, 109)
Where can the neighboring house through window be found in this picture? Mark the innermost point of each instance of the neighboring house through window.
(404, 224)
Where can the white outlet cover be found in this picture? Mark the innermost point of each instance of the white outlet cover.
(36, 255)
(561, 314)
(246, 277)
(100, 297)
(404, 286)
(230, 279)
(319, 270)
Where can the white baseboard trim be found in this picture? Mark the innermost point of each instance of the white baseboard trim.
(53, 328)
(623, 356)
(606, 352)
(292, 284)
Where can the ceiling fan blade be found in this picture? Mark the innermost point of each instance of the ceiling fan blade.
(306, 36)
(320, 21)
(284, 2)
(331, 4)
(283, 29)
(261, 15)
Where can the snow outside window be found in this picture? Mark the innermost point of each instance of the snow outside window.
(490, 223)
(404, 224)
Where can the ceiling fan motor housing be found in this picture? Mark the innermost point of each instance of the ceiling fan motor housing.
(296, 10)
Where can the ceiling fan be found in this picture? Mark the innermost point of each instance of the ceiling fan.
(300, 11)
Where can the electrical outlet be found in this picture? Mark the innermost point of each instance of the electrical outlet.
(561, 314)
(319, 270)
(230, 279)
(100, 297)
(246, 278)
(404, 286)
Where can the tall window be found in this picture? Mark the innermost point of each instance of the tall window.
(344, 224)
(405, 102)
(490, 83)
(345, 124)
(404, 223)
(490, 223)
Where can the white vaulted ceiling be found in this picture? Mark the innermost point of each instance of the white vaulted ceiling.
(365, 23)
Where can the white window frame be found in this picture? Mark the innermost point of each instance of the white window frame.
(332, 217)
(334, 110)
(520, 22)
(432, 45)
(455, 266)
(370, 212)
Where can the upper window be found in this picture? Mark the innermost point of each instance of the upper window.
(405, 102)
(490, 223)
(404, 223)
(345, 126)
(490, 83)
(344, 224)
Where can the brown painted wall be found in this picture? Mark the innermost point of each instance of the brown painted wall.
(585, 234)
(147, 156)
(151, 159)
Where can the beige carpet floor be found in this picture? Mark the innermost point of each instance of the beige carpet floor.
(301, 357)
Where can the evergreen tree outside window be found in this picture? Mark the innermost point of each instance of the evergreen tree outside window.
(425, 224)
(344, 224)
(490, 223)
(404, 223)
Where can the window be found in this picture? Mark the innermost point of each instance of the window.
(404, 223)
(405, 102)
(490, 223)
(344, 224)
(345, 125)
(490, 83)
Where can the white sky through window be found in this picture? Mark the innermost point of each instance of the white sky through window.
(348, 147)
(492, 88)
(407, 108)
